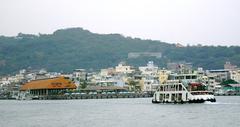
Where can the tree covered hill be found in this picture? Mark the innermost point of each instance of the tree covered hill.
(72, 48)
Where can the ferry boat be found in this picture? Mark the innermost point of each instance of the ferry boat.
(175, 92)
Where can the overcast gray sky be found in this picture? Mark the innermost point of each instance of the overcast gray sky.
(207, 22)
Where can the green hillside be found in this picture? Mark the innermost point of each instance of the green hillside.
(67, 49)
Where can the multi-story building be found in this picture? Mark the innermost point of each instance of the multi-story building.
(150, 69)
(235, 75)
(181, 67)
(150, 83)
(80, 73)
(107, 72)
(123, 68)
(184, 78)
(219, 75)
(163, 76)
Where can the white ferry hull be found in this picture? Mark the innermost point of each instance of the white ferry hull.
(192, 99)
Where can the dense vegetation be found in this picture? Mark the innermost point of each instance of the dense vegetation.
(67, 49)
(227, 82)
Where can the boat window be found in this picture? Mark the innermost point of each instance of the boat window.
(180, 87)
(173, 97)
(161, 97)
(179, 96)
(194, 77)
(165, 88)
(167, 96)
(172, 87)
(161, 88)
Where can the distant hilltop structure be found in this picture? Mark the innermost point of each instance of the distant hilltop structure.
(141, 54)
(229, 66)
(178, 45)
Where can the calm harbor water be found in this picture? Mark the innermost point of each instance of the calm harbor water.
(119, 113)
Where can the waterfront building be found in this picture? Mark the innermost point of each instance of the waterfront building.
(232, 89)
(48, 86)
(212, 83)
(111, 82)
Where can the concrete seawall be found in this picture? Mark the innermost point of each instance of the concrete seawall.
(227, 94)
(93, 96)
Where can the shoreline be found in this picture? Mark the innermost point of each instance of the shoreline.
(85, 96)
(97, 96)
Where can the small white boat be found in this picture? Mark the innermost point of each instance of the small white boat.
(175, 92)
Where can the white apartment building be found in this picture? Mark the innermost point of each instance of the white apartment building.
(121, 68)
(150, 69)
(150, 83)
(235, 75)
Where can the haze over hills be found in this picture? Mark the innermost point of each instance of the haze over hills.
(72, 48)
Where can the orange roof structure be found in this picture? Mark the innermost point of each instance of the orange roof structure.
(51, 83)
